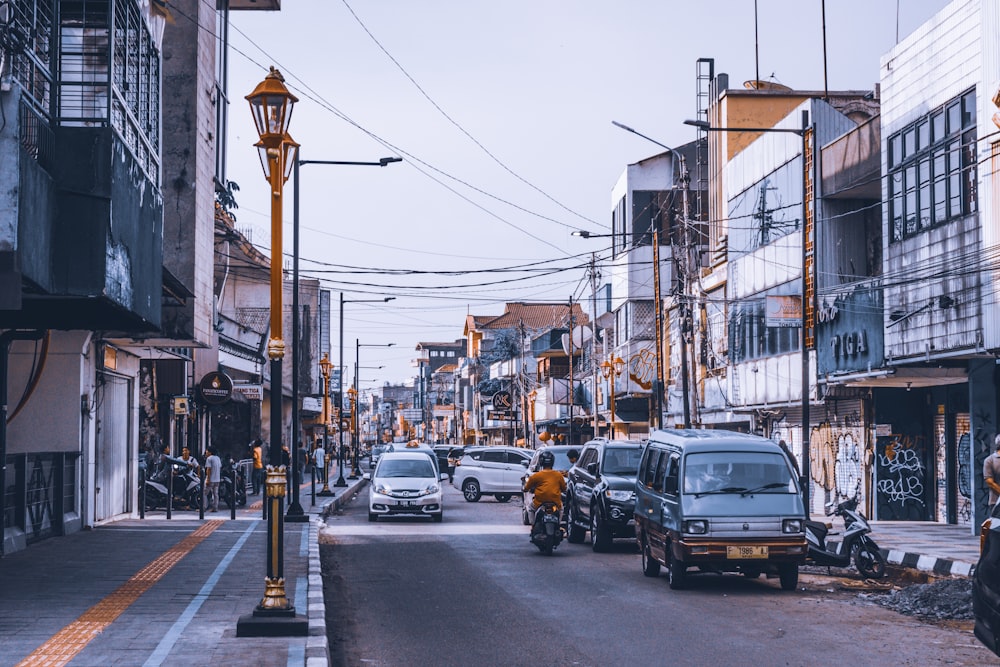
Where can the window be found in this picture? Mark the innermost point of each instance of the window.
(670, 481)
(493, 456)
(661, 470)
(647, 468)
(751, 338)
(932, 169)
(589, 456)
(767, 210)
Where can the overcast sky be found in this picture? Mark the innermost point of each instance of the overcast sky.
(502, 113)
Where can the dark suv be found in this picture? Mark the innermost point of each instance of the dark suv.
(601, 492)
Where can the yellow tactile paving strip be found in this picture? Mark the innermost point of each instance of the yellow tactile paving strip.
(68, 642)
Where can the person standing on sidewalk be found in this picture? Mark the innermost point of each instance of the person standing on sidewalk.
(991, 472)
(319, 460)
(213, 475)
(257, 452)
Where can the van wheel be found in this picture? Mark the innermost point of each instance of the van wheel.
(470, 489)
(650, 566)
(576, 533)
(439, 517)
(600, 534)
(677, 573)
(503, 497)
(789, 575)
(372, 516)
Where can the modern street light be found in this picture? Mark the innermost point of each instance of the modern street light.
(295, 512)
(355, 470)
(804, 133)
(340, 381)
(612, 369)
(271, 105)
(658, 305)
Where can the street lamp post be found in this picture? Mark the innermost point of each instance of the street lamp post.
(295, 512)
(355, 470)
(803, 133)
(325, 367)
(612, 369)
(340, 380)
(271, 105)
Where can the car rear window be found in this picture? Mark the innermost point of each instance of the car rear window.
(621, 460)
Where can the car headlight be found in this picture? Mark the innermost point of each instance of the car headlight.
(791, 526)
(383, 489)
(696, 526)
(430, 489)
(622, 496)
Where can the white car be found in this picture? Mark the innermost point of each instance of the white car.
(491, 471)
(405, 483)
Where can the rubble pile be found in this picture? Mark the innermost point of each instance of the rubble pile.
(947, 599)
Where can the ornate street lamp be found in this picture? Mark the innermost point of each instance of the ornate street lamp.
(612, 369)
(325, 368)
(271, 105)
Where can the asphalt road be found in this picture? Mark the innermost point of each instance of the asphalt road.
(473, 591)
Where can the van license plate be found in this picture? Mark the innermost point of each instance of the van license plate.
(742, 553)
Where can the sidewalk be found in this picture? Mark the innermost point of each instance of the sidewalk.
(157, 592)
(943, 549)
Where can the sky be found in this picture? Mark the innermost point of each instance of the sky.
(502, 113)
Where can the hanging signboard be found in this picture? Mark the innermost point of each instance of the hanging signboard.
(216, 388)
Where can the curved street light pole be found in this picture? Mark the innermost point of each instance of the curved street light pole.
(295, 512)
(803, 133)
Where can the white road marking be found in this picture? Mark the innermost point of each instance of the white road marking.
(395, 528)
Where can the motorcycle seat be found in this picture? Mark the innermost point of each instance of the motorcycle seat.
(819, 528)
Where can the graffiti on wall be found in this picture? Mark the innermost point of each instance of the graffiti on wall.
(900, 471)
(837, 461)
(965, 478)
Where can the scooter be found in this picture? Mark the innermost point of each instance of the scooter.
(856, 543)
(547, 533)
(185, 485)
(233, 485)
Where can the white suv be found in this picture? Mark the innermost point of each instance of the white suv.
(491, 471)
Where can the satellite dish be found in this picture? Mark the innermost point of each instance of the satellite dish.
(760, 84)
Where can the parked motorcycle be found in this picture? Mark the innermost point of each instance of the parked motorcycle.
(856, 543)
(184, 485)
(233, 485)
(547, 531)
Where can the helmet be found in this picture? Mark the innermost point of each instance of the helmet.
(546, 459)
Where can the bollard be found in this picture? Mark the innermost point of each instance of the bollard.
(201, 505)
(170, 489)
(142, 496)
(232, 497)
(312, 478)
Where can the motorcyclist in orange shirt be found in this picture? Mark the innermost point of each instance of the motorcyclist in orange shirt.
(547, 484)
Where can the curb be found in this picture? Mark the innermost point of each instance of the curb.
(944, 567)
(317, 642)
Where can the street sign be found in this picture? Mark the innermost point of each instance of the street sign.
(413, 414)
(502, 400)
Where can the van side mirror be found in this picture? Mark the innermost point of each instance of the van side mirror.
(592, 468)
(670, 486)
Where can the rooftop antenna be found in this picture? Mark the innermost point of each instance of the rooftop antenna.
(756, 40)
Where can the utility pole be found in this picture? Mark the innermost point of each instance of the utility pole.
(685, 306)
(569, 440)
(593, 338)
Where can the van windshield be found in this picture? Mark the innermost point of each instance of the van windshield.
(737, 472)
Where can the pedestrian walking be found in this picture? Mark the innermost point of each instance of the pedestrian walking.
(257, 452)
(991, 472)
(213, 476)
(319, 460)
